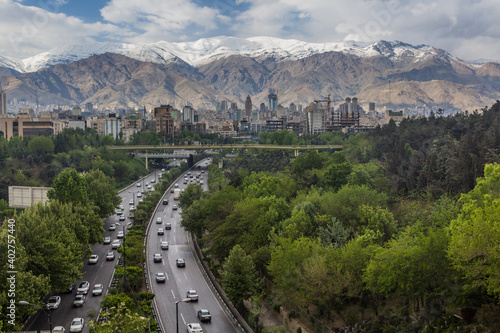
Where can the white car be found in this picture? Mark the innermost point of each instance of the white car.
(107, 240)
(116, 244)
(121, 218)
(93, 259)
(112, 227)
(139, 195)
(120, 234)
(110, 256)
(54, 302)
(160, 231)
(159, 220)
(83, 288)
(98, 289)
(131, 202)
(192, 295)
(164, 245)
(138, 184)
(76, 325)
(194, 328)
(58, 329)
(160, 277)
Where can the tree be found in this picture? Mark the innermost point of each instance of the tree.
(475, 234)
(239, 277)
(190, 195)
(101, 192)
(41, 145)
(119, 319)
(69, 186)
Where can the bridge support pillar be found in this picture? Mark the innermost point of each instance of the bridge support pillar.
(296, 152)
(147, 168)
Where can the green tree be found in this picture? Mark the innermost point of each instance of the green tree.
(101, 192)
(239, 277)
(41, 145)
(120, 319)
(69, 186)
(190, 195)
(475, 234)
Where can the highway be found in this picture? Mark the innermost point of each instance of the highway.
(181, 279)
(98, 273)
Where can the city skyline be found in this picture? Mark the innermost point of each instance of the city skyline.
(459, 27)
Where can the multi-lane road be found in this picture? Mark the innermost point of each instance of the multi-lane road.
(100, 273)
(181, 279)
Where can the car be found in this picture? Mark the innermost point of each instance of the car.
(164, 245)
(132, 208)
(122, 218)
(180, 262)
(159, 220)
(70, 289)
(138, 184)
(162, 170)
(131, 202)
(120, 206)
(204, 315)
(76, 325)
(157, 257)
(185, 182)
(147, 183)
(168, 226)
(192, 295)
(98, 289)
(176, 185)
(160, 277)
(107, 240)
(94, 258)
(142, 191)
(83, 288)
(116, 244)
(202, 171)
(160, 231)
(149, 187)
(201, 182)
(110, 256)
(174, 207)
(58, 329)
(54, 302)
(79, 300)
(118, 211)
(120, 234)
(112, 227)
(131, 216)
(194, 328)
(153, 181)
(165, 201)
(172, 190)
(139, 195)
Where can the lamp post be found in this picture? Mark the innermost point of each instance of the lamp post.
(177, 312)
(133, 196)
(42, 307)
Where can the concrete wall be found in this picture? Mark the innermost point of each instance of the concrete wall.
(25, 196)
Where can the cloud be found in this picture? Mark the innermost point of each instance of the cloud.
(28, 30)
(155, 20)
(466, 28)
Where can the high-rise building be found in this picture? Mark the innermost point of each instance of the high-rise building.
(188, 114)
(3, 102)
(316, 119)
(272, 99)
(89, 107)
(248, 107)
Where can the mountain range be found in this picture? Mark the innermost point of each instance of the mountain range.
(201, 73)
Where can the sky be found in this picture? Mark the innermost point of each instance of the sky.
(468, 29)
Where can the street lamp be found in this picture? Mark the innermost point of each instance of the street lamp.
(177, 312)
(42, 307)
(133, 196)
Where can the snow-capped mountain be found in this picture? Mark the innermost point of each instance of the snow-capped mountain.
(207, 50)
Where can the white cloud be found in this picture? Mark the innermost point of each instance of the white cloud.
(465, 28)
(28, 30)
(162, 19)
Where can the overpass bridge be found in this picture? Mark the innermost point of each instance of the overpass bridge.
(178, 151)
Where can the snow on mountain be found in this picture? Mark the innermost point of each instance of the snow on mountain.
(208, 49)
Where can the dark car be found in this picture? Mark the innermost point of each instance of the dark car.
(204, 315)
(165, 201)
(157, 257)
(180, 262)
(168, 226)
